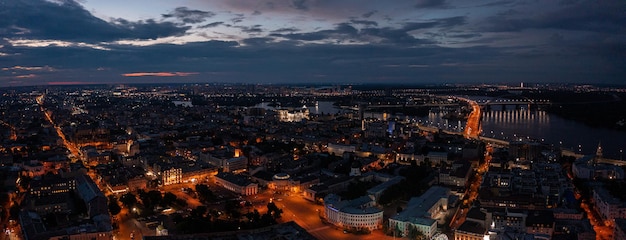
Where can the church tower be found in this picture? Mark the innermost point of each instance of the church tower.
(598, 153)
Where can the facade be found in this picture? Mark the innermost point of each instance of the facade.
(541, 224)
(455, 176)
(339, 149)
(358, 213)
(296, 115)
(587, 167)
(470, 230)
(51, 204)
(171, 175)
(421, 212)
(608, 206)
(235, 164)
(237, 183)
(51, 185)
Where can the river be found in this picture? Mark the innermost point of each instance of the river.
(511, 123)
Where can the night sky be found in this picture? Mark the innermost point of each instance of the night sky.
(312, 41)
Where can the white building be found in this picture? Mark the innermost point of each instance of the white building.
(421, 212)
(357, 214)
(237, 183)
(607, 205)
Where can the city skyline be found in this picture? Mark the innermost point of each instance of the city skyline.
(346, 42)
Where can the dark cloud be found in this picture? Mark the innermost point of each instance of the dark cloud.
(341, 32)
(257, 41)
(364, 22)
(383, 35)
(250, 29)
(213, 24)
(596, 16)
(39, 19)
(468, 35)
(283, 30)
(369, 14)
(430, 3)
(299, 4)
(256, 12)
(187, 15)
(496, 3)
(266, 61)
(239, 18)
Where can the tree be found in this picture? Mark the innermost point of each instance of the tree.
(204, 193)
(412, 234)
(168, 199)
(155, 197)
(274, 210)
(128, 200)
(114, 207)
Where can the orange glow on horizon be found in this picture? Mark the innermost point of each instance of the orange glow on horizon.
(159, 74)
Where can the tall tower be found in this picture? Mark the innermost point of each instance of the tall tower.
(598, 154)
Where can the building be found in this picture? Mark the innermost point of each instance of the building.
(237, 183)
(609, 207)
(356, 214)
(50, 185)
(508, 219)
(455, 176)
(421, 212)
(235, 164)
(586, 167)
(339, 149)
(170, 175)
(293, 115)
(470, 230)
(541, 224)
(376, 191)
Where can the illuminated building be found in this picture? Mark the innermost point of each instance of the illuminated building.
(296, 115)
(281, 182)
(421, 212)
(470, 230)
(608, 206)
(358, 213)
(169, 174)
(51, 185)
(237, 183)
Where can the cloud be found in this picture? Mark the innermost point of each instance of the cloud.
(299, 4)
(24, 68)
(159, 74)
(250, 29)
(364, 22)
(69, 21)
(283, 30)
(210, 25)
(369, 14)
(187, 15)
(430, 3)
(595, 16)
(342, 31)
(26, 76)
